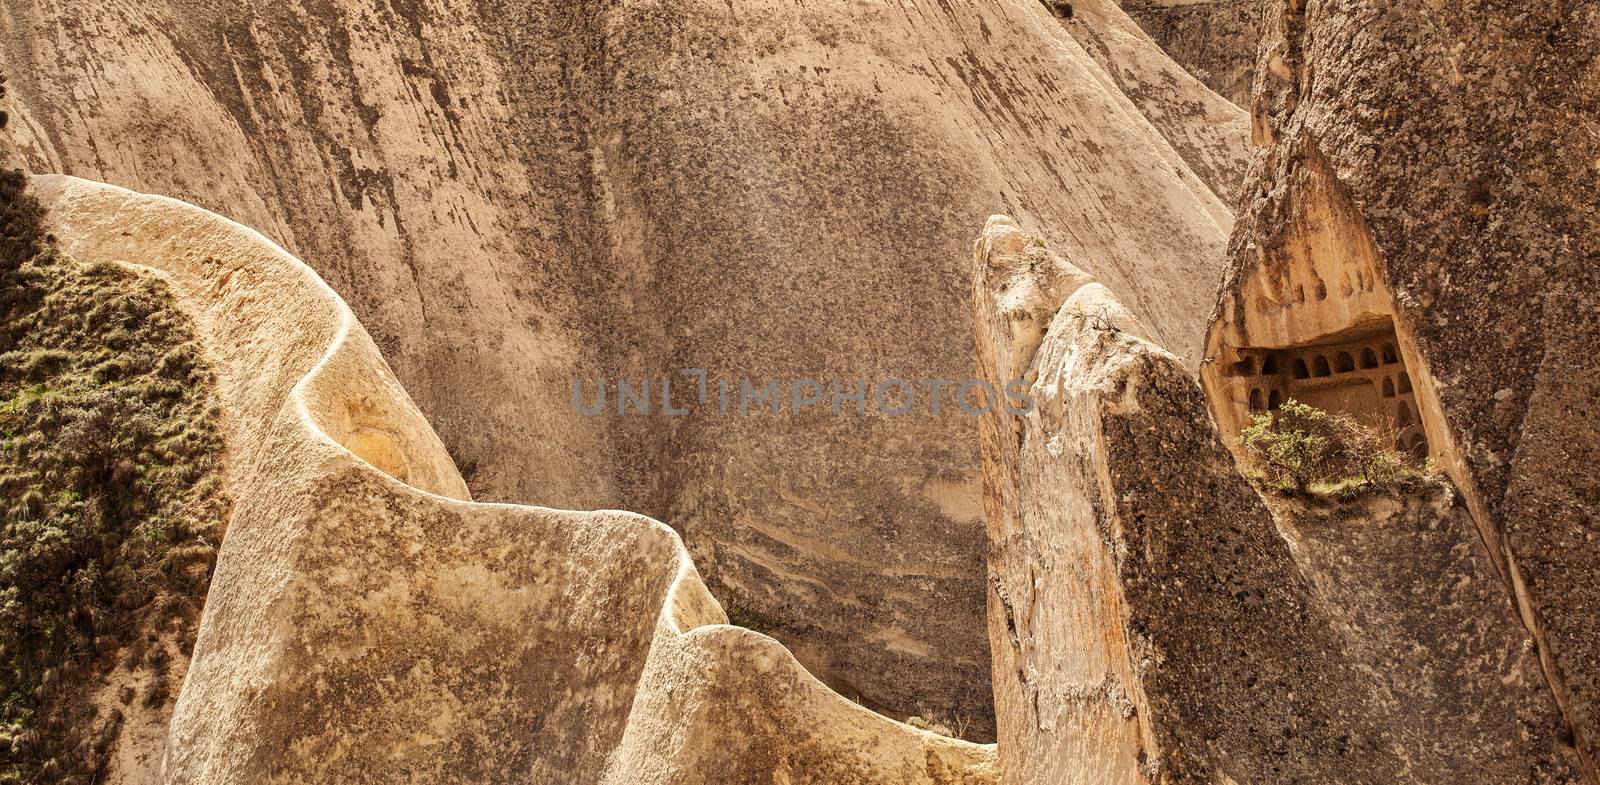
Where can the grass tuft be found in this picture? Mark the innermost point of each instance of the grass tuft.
(109, 466)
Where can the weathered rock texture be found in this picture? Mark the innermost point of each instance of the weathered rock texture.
(1215, 39)
(1426, 171)
(511, 195)
(366, 624)
(1415, 598)
(1199, 123)
(1151, 623)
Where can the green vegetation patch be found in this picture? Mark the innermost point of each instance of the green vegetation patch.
(1300, 448)
(111, 505)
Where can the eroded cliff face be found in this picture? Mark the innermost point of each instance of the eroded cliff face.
(514, 195)
(1418, 606)
(1201, 124)
(1422, 184)
(367, 624)
(1153, 620)
(1215, 40)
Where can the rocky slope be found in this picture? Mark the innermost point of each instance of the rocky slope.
(1423, 182)
(1215, 40)
(514, 195)
(520, 195)
(1154, 621)
(1200, 124)
(367, 624)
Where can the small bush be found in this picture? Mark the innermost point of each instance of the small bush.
(955, 727)
(1299, 447)
(1060, 8)
(111, 501)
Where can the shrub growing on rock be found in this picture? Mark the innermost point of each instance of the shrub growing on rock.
(1299, 447)
(110, 499)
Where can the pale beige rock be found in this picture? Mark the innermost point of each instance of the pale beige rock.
(1426, 175)
(367, 623)
(1208, 130)
(1151, 620)
(511, 195)
(1215, 40)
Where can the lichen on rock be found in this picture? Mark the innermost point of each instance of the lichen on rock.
(1427, 162)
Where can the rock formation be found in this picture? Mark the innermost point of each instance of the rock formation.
(1414, 596)
(515, 195)
(1419, 193)
(1215, 39)
(368, 624)
(1153, 622)
(526, 199)
(1202, 125)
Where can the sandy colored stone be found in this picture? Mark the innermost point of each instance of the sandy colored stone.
(1425, 169)
(1215, 40)
(366, 623)
(1207, 129)
(1153, 622)
(512, 195)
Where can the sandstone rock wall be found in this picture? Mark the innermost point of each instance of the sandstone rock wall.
(366, 624)
(511, 195)
(1199, 123)
(1153, 622)
(1215, 40)
(1418, 604)
(1457, 144)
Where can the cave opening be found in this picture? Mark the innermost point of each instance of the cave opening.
(1357, 371)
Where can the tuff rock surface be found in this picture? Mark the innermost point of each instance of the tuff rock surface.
(516, 195)
(1215, 40)
(1154, 622)
(368, 624)
(1428, 168)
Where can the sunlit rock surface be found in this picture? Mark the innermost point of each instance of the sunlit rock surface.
(367, 624)
(515, 195)
(1426, 169)
(1153, 621)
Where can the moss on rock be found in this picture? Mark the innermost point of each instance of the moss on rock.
(110, 496)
